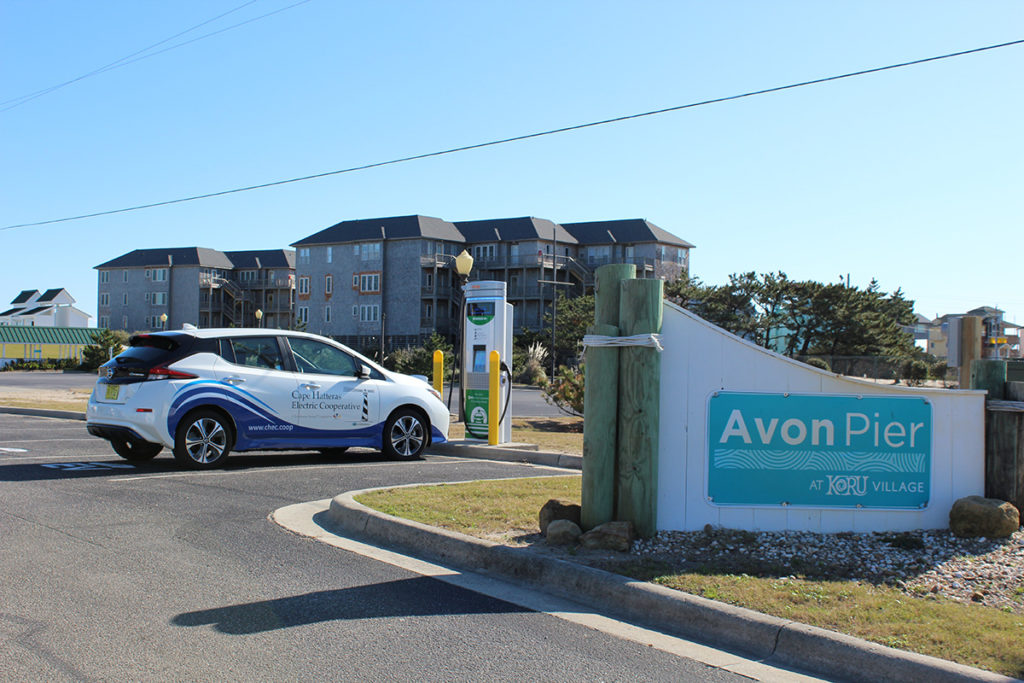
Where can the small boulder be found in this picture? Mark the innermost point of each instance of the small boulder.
(563, 532)
(610, 536)
(558, 509)
(975, 516)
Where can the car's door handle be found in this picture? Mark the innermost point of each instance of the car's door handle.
(233, 380)
(310, 386)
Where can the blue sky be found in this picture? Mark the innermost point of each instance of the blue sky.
(910, 176)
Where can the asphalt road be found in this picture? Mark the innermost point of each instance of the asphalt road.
(116, 572)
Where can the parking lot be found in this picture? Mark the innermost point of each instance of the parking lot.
(118, 572)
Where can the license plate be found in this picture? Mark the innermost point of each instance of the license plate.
(112, 391)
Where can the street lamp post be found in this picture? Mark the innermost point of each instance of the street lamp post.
(259, 317)
(463, 266)
(163, 321)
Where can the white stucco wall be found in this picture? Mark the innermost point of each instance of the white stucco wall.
(700, 359)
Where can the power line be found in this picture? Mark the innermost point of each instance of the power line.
(138, 55)
(517, 138)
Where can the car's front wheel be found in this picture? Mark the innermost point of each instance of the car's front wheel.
(202, 440)
(405, 434)
(136, 451)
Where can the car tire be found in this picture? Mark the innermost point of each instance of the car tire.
(203, 439)
(405, 434)
(134, 450)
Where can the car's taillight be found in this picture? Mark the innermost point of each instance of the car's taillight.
(161, 372)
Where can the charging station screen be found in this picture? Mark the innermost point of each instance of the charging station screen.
(480, 312)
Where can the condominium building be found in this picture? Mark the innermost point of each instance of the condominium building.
(151, 289)
(391, 281)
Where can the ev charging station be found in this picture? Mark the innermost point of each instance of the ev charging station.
(488, 327)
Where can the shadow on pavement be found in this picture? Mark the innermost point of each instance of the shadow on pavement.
(420, 596)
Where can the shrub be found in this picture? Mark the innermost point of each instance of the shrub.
(819, 363)
(565, 390)
(915, 372)
(529, 368)
(938, 370)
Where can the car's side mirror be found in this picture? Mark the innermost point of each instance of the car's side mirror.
(364, 372)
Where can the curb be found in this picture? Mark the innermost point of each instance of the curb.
(38, 412)
(781, 641)
(507, 453)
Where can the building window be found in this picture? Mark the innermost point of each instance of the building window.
(105, 321)
(124, 299)
(369, 282)
(303, 255)
(159, 298)
(247, 275)
(428, 311)
(304, 284)
(369, 313)
(355, 311)
(159, 275)
(124, 322)
(327, 314)
(369, 251)
(330, 254)
(124, 276)
(484, 252)
(328, 284)
(104, 299)
(147, 299)
(681, 257)
(303, 314)
(104, 277)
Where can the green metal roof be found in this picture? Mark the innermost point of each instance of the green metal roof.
(28, 334)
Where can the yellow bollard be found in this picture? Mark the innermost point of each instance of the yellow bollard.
(439, 371)
(493, 399)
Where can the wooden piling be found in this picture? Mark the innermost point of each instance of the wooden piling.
(640, 312)
(600, 400)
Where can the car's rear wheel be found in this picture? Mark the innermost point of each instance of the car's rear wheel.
(203, 439)
(405, 434)
(134, 450)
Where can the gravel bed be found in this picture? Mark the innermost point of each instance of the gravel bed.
(978, 570)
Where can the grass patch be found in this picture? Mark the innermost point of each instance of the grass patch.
(974, 635)
(482, 509)
(551, 434)
(71, 405)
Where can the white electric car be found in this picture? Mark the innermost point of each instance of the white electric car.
(207, 392)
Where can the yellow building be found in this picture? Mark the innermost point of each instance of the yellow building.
(20, 342)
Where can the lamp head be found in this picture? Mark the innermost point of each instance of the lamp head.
(463, 264)
(259, 314)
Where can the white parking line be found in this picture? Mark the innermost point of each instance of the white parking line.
(299, 520)
(81, 438)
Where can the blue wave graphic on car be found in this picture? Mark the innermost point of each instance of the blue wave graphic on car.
(258, 425)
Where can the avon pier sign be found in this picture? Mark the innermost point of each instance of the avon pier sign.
(819, 450)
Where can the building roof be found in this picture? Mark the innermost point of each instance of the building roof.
(27, 334)
(178, 256)
(393, 228)
(12, 311)
(269, 258)
(625, 231)
(34, 311)
(522, 229)
(24, 296)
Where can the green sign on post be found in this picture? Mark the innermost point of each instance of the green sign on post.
(476, 412)
(819, 451)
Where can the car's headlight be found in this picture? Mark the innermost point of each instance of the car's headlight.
(435, 392)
